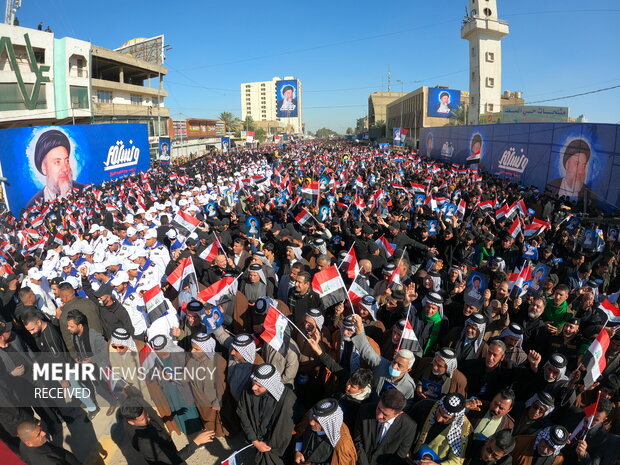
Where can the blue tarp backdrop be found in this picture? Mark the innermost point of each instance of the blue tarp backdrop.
(574, 159)
(47, 161)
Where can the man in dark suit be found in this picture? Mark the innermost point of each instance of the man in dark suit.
(382, 433)
(52, 157)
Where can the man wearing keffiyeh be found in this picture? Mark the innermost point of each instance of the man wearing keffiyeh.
(208, 390)
(445, 429)
(323, 438)
(543, 449)
(266, 414)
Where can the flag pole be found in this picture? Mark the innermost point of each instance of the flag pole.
(403, 331)
(347, 290)
(291, 323)
(235, 453)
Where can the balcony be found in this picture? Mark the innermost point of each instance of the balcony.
(122, 109)
(495, 28)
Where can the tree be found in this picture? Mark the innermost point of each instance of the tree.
(349, 130)
(260, 135)
(325, 133)
(231, 121)
(248, 124)
(460, 116)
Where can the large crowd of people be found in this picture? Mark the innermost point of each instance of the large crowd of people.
(329, 303)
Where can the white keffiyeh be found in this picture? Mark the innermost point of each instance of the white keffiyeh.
(332, 422)
(269, 378)
(120, 337)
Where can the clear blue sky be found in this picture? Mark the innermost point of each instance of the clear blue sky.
(341, 50)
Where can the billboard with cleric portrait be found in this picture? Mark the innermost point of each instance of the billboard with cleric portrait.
(576, 160)
(46, 163)
(287, 98)
(443, 103)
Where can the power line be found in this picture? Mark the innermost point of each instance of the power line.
(575, 95)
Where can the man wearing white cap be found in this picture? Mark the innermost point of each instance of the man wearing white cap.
(41, 288)
(156, 250)
(149, 271)
(131, 242)
(127, 296)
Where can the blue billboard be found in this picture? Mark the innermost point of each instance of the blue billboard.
(287, 99)
(48, 162)
(576, 160)
(163, 150)
(443, 103)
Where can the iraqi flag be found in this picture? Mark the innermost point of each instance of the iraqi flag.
(155, 302)
(610, 310)
(217, 290)
(473, 159)
(311, 191)
(303, 217)
(149, 358)
(486, 205)
(276, 333)
(356, 293)
(394, 277)
(532, 230)
(408, 339)
(350, 259)
(501, 212)
(583, 426)
(181, 272)
(329, 285)
(517, 281)
(515, 228)
(596, 361)
(211, 251)
(418, 188)
(386, 246)
(185, 222)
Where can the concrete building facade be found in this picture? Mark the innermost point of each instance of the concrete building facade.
(377, 105)
(410, 112)
(484, 31)
(258, 101)
(43, 80)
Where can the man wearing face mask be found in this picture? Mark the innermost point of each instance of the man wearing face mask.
(326, 439)
(113, 314)
(388, 374)
(440, 370)
(543, 449)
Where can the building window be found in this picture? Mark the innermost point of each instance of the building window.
(490, 82)
(11, 98)
(487, 12)
(103, 96)
(136, 99)
(489, 107)
(473, 51)
(473, 75)
(472, 100)
(79, 97)
(490, 57)
(155, 101)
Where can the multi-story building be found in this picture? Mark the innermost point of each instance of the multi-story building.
(262, 101)
(48, 81)
(43, 80)
(129, 90)
(410, 112)
(377, 105)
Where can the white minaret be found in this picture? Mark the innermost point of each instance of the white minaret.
(484, 31)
